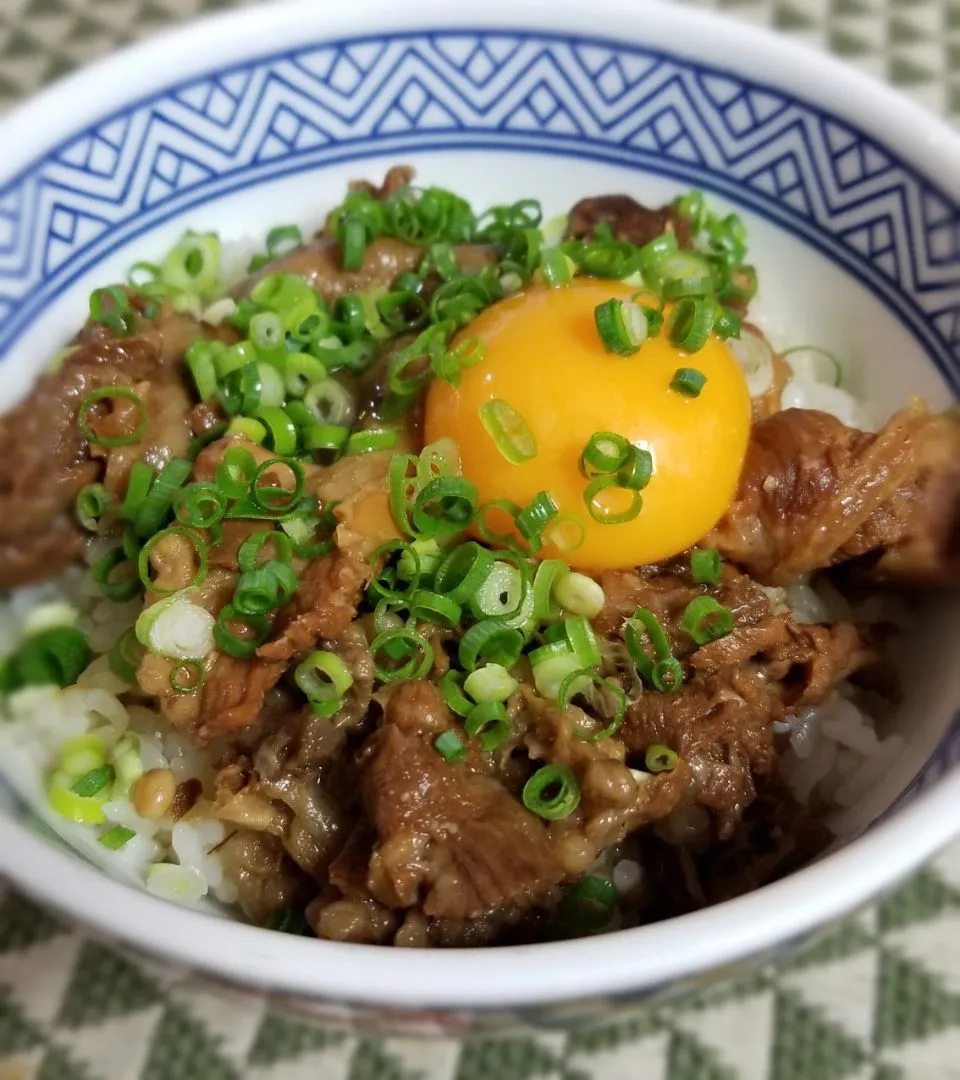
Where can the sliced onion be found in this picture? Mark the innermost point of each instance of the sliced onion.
(219, 310)
(755, 357)
(802, 394)
(814, 364)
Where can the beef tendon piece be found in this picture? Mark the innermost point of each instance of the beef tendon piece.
(814, 493)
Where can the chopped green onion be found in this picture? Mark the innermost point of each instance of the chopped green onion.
(690, 323)
(556, 268)
(302, 371)
(691, 206)
(688, 381)
(125, 656)
(92, 504)
(117, 837)
(684, 274)
(199, 505)
(622, 326)
(506, 593)
(248, 554)
(535, 516)
(492, 641)
(706, 620)
(243, 648)
(402, 644)
(320, 437)
(199, 546)
(105, 394)
(281, 432)
(667, 675)
(644, 622)
(740, 288)
(176, 627)
(194, 264)
(138, 486)
(82, 754)
(660, 758)
(705, 566)
(552, 792)
(235, 472)
(54, 656)
(117, 587)
(266, 497)
(252, 430)
(551, 664)
(590, 904)
(200, 360)
(637, 471)
(69, 805)
(111, 306)
(579, 594)
(445, 506)
(330, 402)
(726, 324)
(582, 640)
(324, 678)
(601, 511)
(402, 489)
(431, 607)
(605, 453)
(257, 592)
(579, 682)
(548, 574)
(155, 508)
(241, 390)
(489, 724)
(450, 686)
(462, 571)
(127, 763)
(366, 442)
(187, 677)
(234, 357)
(504, 506)
(565, 533)
(266, 331)
(450, 747)
(508, 429)
(93, 782)
(492, 682)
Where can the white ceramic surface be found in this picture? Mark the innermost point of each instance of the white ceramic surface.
(875, 308)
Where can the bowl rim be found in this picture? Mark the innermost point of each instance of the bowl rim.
(625, 962)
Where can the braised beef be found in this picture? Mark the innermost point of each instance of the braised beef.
(45, 459)
(356, 820)
(814, 493)
(326, 603)
(628, 220)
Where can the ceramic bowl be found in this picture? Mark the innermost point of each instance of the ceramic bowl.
(852, 201)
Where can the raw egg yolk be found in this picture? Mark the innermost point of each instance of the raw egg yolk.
(545, 359)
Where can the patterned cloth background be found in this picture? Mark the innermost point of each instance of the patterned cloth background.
(879, 999)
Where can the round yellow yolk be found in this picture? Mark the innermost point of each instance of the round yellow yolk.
(545, 359)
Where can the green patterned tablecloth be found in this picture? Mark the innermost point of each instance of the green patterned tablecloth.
(877, 1000)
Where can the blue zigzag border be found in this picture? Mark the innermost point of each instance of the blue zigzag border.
(774, 208)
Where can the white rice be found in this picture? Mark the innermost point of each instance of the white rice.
(38, 721)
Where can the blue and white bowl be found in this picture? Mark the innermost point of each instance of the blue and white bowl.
(852, 201)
